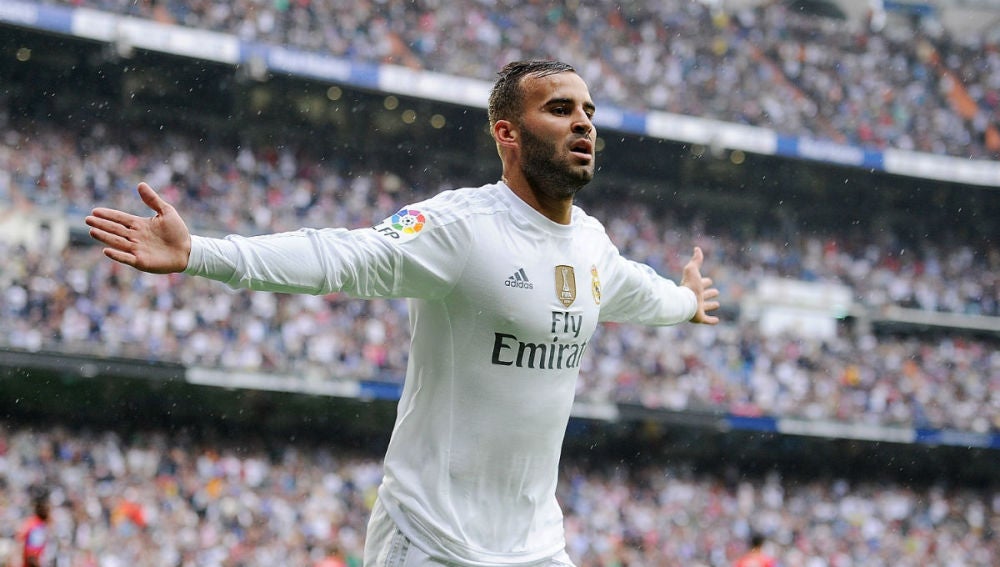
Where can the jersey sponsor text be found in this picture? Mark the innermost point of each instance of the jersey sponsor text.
(508, 350)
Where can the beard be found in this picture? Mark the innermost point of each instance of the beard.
(551, 174)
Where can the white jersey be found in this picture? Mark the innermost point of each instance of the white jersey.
(503, 304)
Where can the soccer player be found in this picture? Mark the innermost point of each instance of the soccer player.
(507, 283)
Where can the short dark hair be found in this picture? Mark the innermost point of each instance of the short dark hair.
(507, 96)
(39, 499)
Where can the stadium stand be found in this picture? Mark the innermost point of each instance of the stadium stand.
(914, 85)
(166, 499)
(76, 302)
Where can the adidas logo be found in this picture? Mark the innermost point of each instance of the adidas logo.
(519, 280)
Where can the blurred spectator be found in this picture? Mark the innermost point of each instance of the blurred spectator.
(756, 556)
(36, 549)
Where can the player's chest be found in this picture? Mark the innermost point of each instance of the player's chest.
(551, 292)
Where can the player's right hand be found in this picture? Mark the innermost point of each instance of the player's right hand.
(160, 244)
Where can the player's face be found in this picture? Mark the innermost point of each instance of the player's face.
(557, 135)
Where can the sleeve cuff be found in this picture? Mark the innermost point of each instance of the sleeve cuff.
(195, 258)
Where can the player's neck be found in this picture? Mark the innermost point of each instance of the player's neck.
(557, 209)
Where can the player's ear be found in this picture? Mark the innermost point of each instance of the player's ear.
(505, 133)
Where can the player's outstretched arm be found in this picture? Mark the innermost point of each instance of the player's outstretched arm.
(702, 288)
(160, 244)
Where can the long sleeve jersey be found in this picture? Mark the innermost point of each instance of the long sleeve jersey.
(502, 304)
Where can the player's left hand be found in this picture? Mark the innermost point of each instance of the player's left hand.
(702, 288)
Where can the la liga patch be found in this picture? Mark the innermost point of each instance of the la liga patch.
(404, 225)
(408, 221)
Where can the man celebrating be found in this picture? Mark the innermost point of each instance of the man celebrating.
(507, 283)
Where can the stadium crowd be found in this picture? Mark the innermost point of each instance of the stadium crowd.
(167, 499)
(910, 85)
(72, 299)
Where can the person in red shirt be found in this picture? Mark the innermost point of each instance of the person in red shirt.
(333, 557)
(34, 533)
(755, 556)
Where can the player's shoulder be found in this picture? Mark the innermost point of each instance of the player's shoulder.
(449, 212)
(469, 200)
(464, 203)
(585, 219)
(587, 223)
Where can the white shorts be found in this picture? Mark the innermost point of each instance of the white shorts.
(386, 546)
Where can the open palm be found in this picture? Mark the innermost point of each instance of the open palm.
(160, 244)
